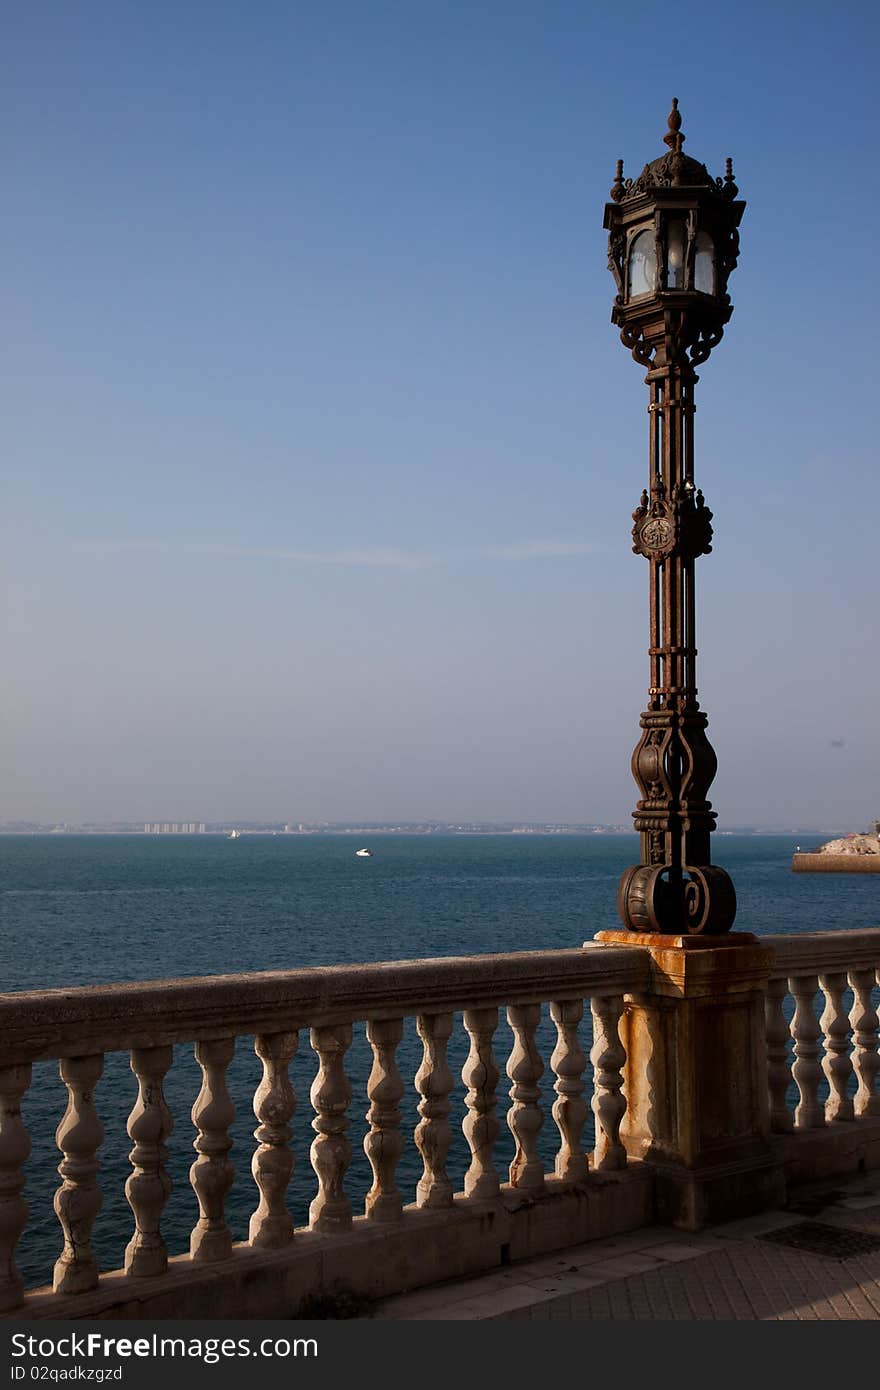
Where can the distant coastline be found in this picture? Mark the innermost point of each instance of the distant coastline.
(306, 828)
(320, 828)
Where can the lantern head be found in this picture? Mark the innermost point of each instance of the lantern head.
(673, 242)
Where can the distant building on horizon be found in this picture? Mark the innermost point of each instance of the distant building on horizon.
(174, 827)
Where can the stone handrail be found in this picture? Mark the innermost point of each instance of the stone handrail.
(839, 1046)
(47, 1023)
(797, 952)
(78, 1026)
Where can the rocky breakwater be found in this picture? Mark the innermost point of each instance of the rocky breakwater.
(850, 854)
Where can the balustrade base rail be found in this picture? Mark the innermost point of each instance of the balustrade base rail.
(369, 1261)
(839, 1150)
(425, 1247)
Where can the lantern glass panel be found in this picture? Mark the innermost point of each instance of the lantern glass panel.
(704, 264)
(642, 265)
(675, 252)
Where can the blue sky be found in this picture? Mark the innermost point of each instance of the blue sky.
(320, 450)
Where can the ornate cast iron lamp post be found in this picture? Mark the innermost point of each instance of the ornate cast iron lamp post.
(673, 242)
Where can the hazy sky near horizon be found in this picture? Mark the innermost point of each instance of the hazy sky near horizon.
(320, 450)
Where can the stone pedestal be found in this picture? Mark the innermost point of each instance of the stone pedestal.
(695, 1078)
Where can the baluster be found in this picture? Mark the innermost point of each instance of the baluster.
(149, 1186)
(480, 1126)
(14, 1149)
(212, 1173)
(569, 1109)
(608, 1057)
(271, 1225)
(433, 1132)
(524, 1118)
(836, 1063)
(384, 1143)
(331, 1151)
(866, 1061)
(806, 1070)
(778, 1059)
(78, 1199)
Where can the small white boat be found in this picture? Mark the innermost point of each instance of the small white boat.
(364, 853)
(233, 835)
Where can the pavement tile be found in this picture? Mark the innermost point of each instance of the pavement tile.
(756, 1225)
(501, 1301)
(597, 1304)
(871, 1294)
(842, 1307)
(867, 1220)
(806, 1312)
(407, 1305)
(534, 1269)
(602, 1273)
(450, 1312)
(617, 1266)
(549, 1286)
(684, 1251)
(476, 1286)
(601, 1250)
(568, 1283)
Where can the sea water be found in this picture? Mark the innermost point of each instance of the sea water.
(85, 910)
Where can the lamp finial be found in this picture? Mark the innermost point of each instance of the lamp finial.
(673, 137)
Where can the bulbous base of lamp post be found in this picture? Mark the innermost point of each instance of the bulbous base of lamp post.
(698, 900)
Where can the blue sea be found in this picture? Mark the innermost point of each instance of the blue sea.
(85, 910)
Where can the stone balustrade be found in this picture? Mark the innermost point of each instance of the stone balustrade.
(698, 1112)
(823, 1047)
(79, 1026)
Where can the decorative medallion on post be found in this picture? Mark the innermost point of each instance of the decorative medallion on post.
(673, 242)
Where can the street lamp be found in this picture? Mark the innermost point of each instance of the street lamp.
(673, 242)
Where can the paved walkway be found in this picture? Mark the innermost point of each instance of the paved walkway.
(728, 1272)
